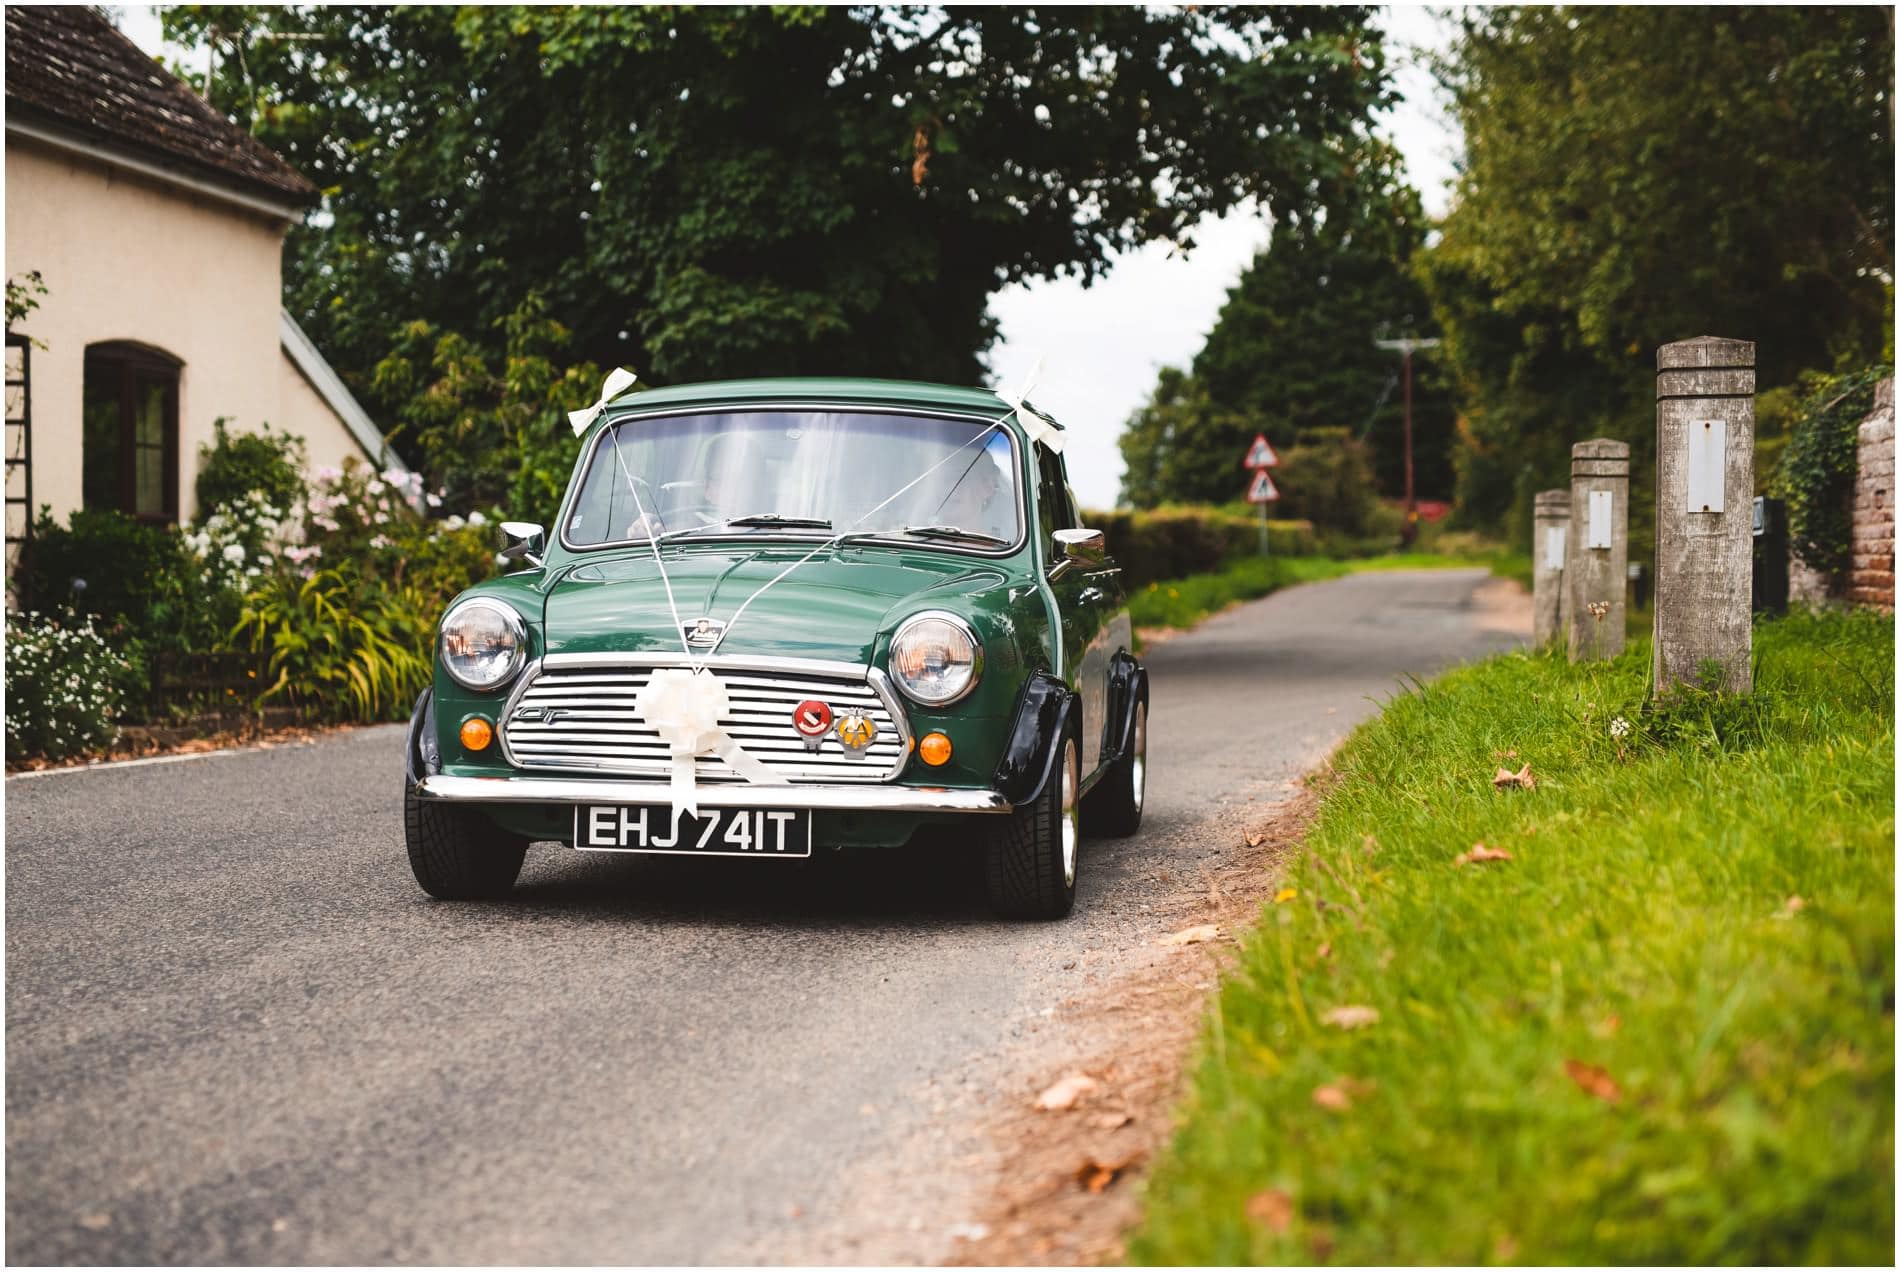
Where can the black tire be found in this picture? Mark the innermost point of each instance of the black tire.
(1112, 810)
(1031, 859)
(458, 854)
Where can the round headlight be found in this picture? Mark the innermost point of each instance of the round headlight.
(483, 644)
(935, 658)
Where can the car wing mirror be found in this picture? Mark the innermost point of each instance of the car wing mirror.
(524, 541)
(1084, 547)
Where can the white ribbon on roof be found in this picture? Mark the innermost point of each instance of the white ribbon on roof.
(1039, 427)
(619, 380)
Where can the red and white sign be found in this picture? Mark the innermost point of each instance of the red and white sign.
(811, 718)
(1260, 454)
(1262, 490)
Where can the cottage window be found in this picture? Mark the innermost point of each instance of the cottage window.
(131, 431)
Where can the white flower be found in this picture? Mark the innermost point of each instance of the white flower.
(453, 523)
(477, 519)
(375, 486)
(382, 541)
(234, 553)
(435, 501)
(1619, 728)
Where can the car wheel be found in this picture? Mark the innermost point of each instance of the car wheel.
(1031, 859)
(1113, 809)
(458, 854)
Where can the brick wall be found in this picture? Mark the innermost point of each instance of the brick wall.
(1870, 578)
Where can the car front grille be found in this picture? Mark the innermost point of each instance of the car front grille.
(571, 714)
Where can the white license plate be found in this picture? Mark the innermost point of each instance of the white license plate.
(714, 832)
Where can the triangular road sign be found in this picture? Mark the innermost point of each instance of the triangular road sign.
(1262, 490)
(1260, 454)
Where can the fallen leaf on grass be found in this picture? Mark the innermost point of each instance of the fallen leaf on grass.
(1607, 1027)
(1273, 1208)
(1284, 895)
(1066, 1093)
(1195, 935)
(1095, 1176)
(1522, 778)
(1791, 907)
(1504, 755)
(1594, 1080)
(1369, 845)
(1351, 1016)
(1325, 950)
(1480, 853)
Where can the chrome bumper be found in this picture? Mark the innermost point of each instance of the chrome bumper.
(842, 799)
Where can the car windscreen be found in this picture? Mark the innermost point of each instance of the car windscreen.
(856, 471)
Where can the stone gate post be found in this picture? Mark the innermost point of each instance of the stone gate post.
(1596, 560)
(1705, 487)
(1550, 530)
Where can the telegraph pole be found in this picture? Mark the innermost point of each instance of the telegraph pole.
(1405, 348)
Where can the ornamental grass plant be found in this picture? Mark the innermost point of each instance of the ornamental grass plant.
(1564, 975)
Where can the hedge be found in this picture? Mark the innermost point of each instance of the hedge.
(1173, 542)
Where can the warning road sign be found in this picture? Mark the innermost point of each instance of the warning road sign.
(1260, 454)
(1262, 490)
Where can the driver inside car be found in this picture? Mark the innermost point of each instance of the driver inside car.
(981, 500)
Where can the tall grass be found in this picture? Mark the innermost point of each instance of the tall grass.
(1662, 1031)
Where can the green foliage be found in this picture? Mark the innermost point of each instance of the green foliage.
(23, 297)
(338, 647)
(1818, 467)
(1175, 541)
(1635, 176)
(101, 563)
(1329, 482)
(1647, 925)
(237, 464)
(65, 688)
(719, 191)
(492, 426)
(1293, 350)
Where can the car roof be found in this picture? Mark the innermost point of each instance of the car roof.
(904, 393)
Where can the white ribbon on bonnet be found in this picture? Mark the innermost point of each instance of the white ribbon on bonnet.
(684, 707)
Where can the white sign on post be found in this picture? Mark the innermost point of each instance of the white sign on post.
(1599, 520)
(1262, 491)
(1260, 454)
(1554, 537)
(1708, 461)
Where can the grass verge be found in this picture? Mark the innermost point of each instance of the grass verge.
(1628, 1043)
(1181, 603)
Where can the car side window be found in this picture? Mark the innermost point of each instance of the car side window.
(1052, 493)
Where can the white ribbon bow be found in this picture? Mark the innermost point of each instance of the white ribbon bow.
(684, 708)
(619, 380)
(1039, 427)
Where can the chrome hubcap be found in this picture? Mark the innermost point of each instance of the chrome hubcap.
(1138, 770)
(1071, 823)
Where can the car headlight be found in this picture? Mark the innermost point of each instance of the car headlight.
(935, 658)
(483, 644)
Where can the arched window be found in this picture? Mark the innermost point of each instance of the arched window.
(131, 430)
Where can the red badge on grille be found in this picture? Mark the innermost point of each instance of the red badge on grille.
(811, 718)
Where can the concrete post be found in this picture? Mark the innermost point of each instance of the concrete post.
(1705, 486)
(1550, 535)
(1596, 561)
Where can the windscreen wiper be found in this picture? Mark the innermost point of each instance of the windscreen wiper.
(773, 520)
(954, 532)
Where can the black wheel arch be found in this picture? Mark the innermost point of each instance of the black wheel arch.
(1045, 711)
(422, 756)
(1127, 687)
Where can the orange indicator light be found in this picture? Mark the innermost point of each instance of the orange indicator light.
(476, 734)
(934, 748)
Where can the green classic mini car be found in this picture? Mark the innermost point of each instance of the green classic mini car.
(775, 615)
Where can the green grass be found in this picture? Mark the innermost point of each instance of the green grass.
(1644, 926)
(1181, 603)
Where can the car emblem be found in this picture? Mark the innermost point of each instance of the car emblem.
(811, 720)
(857, 733)
(703, 631)
(546, 715)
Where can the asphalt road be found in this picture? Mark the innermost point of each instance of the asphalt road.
(236, 1032)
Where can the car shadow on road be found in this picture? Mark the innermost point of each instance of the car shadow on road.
(935, 878)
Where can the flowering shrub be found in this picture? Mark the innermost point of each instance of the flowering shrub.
(65, 687)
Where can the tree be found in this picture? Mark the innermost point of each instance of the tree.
(716, 191)
(1635, 176)
(1293, 351)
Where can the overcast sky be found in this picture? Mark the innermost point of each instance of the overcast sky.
(1101, 346)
